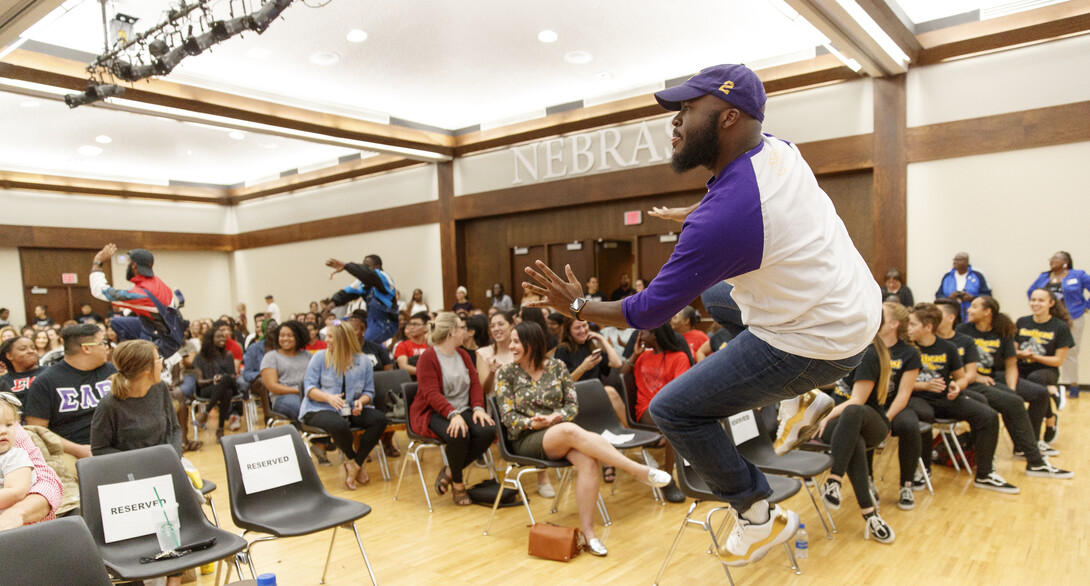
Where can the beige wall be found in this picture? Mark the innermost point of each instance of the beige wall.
(24, 208)
(204, 278)
(11, 285)
(295, 274)
(843, 109)
(1010, 211)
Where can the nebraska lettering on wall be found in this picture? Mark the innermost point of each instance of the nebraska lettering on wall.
(609, 149)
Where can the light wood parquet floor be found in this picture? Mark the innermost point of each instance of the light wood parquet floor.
(961, 535)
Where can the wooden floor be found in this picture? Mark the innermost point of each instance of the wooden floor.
(961, 535)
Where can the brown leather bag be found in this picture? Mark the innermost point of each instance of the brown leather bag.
(553, 542)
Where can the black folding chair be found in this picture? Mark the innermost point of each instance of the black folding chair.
(122, 558)
(300, 508)
(805, 465)
(24, 562)
(596, 415)
(387, 381)
(526, 465)
(628, 393)
(417, 442)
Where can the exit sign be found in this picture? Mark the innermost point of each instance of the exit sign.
(633, 218)
(69, 278)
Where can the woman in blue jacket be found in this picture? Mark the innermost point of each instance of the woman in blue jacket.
(340, 395)
(1070, 285)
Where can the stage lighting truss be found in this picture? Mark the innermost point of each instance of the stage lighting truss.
(188, 29)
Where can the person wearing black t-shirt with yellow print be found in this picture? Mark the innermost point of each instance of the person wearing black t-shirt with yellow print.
(984, 388)
(940, 382)
(1043, 340)
(903, 409)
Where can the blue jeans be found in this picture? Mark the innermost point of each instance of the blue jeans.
(747, 374)
(287, 405)
(722, 308)
(189, 386)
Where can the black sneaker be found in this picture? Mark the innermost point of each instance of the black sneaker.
(830, 493)
(919, 482)
(1051, 431)
(995, 482)
(1047, 470)
(1046, 450)
(672, 493)
(908, 500)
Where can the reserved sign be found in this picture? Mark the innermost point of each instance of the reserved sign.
(743, 427)
(268, 464)
(129, 508)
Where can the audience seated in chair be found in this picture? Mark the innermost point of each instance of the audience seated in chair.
(283, 369)
(855, 425)
(537, 403)
(449, 404)
(20, 361)
(657, 359)
(216, 374)
(1044, 340)
(408, 351)
(340, 394)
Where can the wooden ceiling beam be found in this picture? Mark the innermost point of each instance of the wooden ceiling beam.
(16, 16)
(64, 73)
(77, 186)
(1042, 24)
(894, 25)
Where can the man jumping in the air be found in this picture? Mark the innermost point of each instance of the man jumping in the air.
(805, 293)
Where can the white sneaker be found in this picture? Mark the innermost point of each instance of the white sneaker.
(657, 478)
(1047, 470)
(749, 542)
(1061, 404)
(546, 491)
(995, 482)
(907, 501)
(1046, 450)
(595, 547)
(830, 493)
(800, 418)
(877, 528)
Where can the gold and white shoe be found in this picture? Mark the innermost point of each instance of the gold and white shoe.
(749, 542)
(800, 419)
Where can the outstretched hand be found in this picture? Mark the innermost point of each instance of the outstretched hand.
(675, 214)
(106, 253)
(336, 265)
(556, 293)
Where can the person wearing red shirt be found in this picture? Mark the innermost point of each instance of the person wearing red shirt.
(408, 351)
(657, 359)
(684, 323)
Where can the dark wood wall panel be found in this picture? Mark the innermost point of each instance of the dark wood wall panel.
(853, 197)
(387, 219)
(92, 238)
(890, 177)
(1000, 133)
(42, 267)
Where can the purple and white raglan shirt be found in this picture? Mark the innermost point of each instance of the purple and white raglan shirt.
(767, 228)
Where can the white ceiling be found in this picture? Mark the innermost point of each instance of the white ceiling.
(445, 64)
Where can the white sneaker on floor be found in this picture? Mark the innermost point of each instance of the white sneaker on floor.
(995, 482)
(907, 501)
(1047, 470)
(749, 542)
(830, 493)
(800, 418)
(877, 528)
(1046, 450)
(546, 491)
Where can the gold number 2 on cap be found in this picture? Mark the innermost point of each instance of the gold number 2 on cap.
(726, 87)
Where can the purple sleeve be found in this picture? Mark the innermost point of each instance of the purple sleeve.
(722, 238)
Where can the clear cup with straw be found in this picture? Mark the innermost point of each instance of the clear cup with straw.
(167, 526)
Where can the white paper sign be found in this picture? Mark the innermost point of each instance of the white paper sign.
(743, 427)
(126, 506)
(616, 439)
(268, 464)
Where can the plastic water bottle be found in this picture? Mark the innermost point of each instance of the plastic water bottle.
(266, 580)
(802, 542)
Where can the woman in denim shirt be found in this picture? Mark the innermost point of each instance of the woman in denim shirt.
(340, 395)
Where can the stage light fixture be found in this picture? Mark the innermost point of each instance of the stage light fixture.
(269, 11)
(95, 92)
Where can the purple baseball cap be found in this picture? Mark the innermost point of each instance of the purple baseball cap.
(735, 84)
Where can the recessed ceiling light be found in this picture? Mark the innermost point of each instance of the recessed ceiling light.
(189, 152)
(547, 36)
(89, 150)
(356, 36)
(324, 58)
(578, 57)
(103, 139)
(603, 76)
(236, 135)
(30, 104)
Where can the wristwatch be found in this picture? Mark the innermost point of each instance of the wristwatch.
(577, 306)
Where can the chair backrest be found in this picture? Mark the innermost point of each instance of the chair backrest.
(389, 380)
(298, 496)
(759, 444)
(507, 453)
(24, 562)
(628, 394)
(408, 390)
(138, 465)
(595, 411)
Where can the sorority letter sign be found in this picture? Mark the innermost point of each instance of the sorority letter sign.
(268, 464)
(128, 508)
(743, 427)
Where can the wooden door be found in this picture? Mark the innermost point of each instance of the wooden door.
(42, 269)
(612, 259)
(522, 257)
(581, 260)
